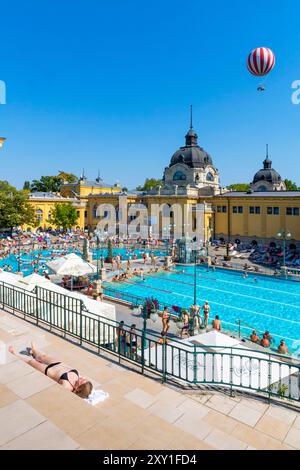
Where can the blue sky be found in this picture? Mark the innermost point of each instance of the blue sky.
(108, 85)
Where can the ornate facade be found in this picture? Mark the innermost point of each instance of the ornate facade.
(191, 180)
(191, 170)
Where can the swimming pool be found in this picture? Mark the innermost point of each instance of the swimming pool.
(268, 304)
(26, 260)
(127, 253)
(43, 256)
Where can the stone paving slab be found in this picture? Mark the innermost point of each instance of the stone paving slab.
(293, 438)
(17, 418)
(221, 440)
(194, 425)
(6, 396)
(45, 436)
(273, 427)
(13, 371)
(141, 398)
(140, 413)
(245, 414)
(36, 383)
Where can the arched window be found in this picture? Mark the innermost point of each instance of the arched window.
(209, 176)
(261, 188)
(39, 215)
(94, 211)
(166, 210)
(179, 176)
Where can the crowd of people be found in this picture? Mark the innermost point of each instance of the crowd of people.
(28, 251)
(196, 319)
(267, 341)
(128, 340)
(272, 256)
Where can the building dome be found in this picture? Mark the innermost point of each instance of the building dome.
(194, 157)
(271, 176)
(191, 154)
(267, 179)
(267, 173)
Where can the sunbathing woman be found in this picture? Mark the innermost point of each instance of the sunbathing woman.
(56, 370)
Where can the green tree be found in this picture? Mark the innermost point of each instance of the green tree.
(52, 184)
(46, 184)
(63, 216)
(15, 209)
(239, 187)
(26, 186)
(150, 183)
(68, 177)
(291, 185)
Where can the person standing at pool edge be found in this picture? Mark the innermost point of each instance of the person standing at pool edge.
(165, 321)
(206, 310)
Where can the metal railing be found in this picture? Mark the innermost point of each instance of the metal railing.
(134, 300)
(234, 368)
(238, 328)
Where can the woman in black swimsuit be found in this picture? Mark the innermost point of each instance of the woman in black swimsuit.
(58, 371)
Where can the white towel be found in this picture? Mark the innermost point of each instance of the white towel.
(96, 396)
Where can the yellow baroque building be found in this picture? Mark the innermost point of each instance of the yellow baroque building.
(189, 181)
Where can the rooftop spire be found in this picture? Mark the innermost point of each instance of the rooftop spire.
(191, 116)
(82, 176)
(267, 162)
(191, 137)
(98, 179)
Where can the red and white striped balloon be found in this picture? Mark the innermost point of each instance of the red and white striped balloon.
(261, 61)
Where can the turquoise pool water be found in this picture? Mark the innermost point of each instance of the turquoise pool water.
(26, 260)
(268, 304)
(127, 252)
(43, 256)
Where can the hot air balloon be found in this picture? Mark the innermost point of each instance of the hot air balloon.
(260, 62)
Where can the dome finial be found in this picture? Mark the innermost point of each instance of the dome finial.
(98, 179)
(82, 176)
(267, 162)
(191, 136)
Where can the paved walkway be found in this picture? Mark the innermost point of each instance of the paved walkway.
(140, 413)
